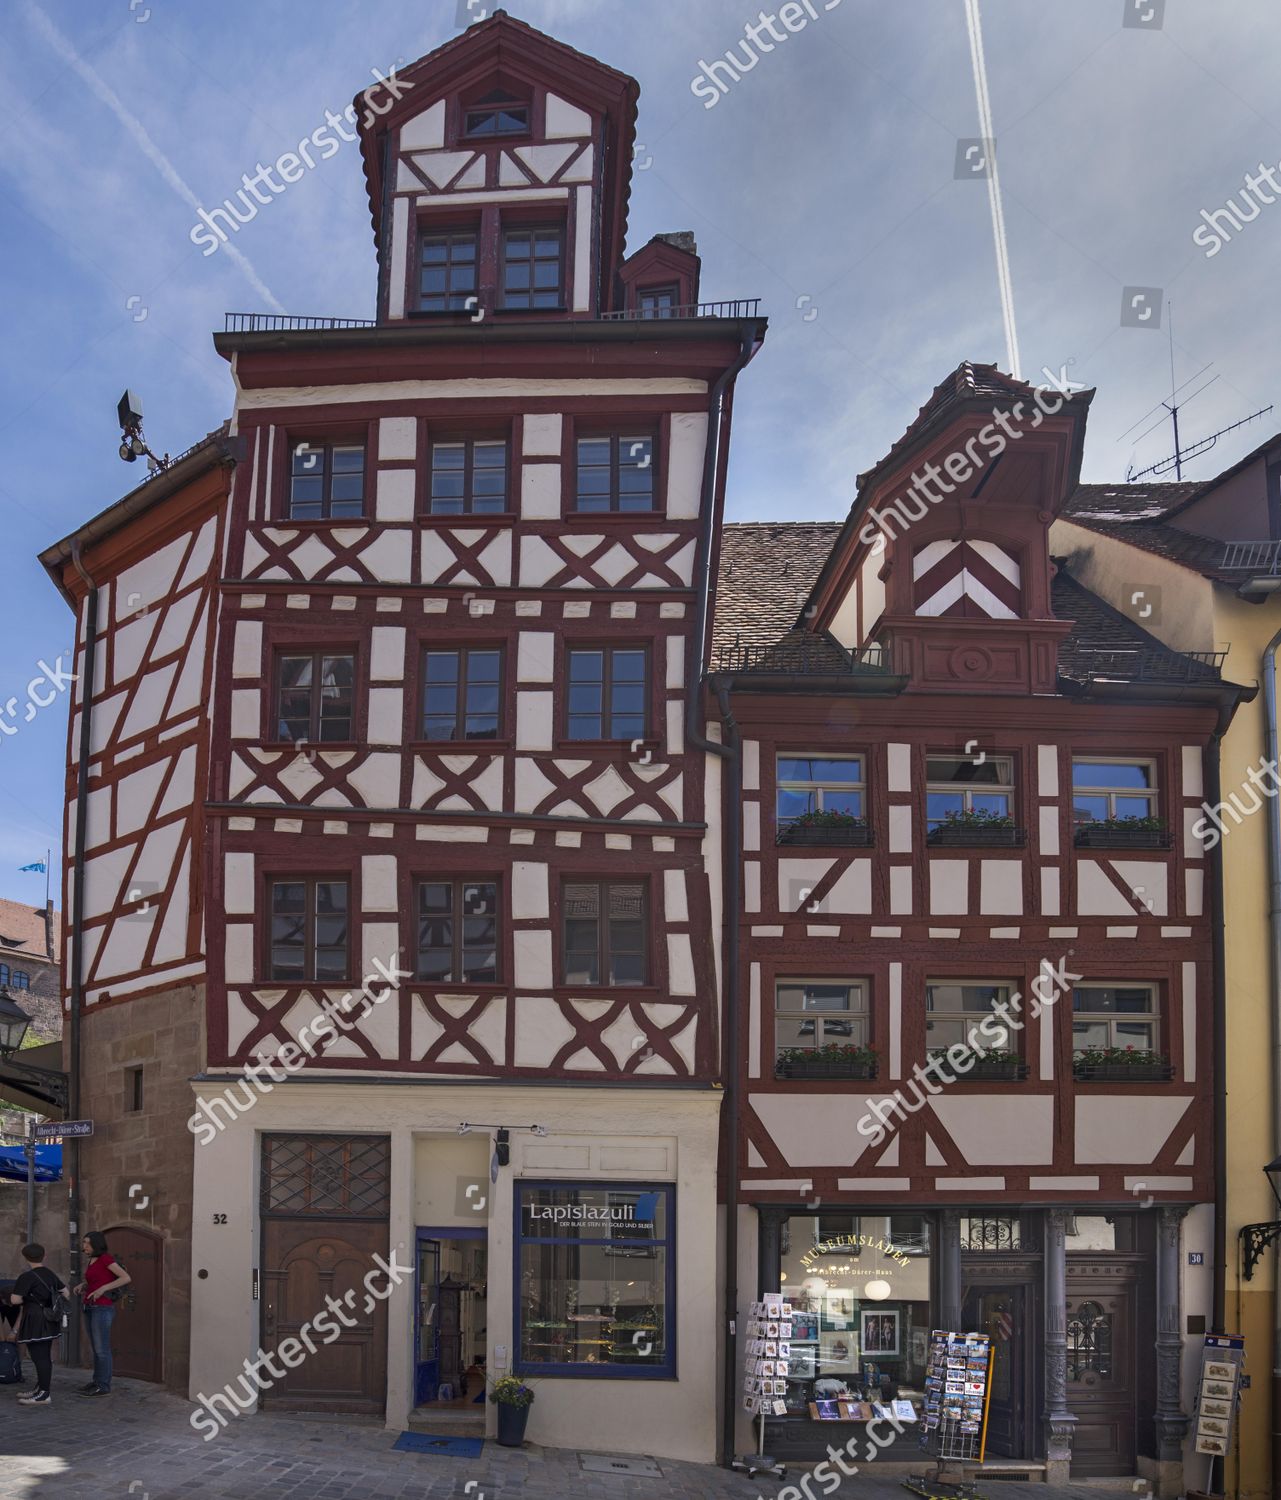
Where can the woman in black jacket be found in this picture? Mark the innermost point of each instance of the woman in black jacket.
(36, 1291)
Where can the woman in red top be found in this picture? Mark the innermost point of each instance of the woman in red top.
(103, 1277)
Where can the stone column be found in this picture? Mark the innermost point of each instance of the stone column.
(1057, 1419)
(949, 1253)
(1172, 1422)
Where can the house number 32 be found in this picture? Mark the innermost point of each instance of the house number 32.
(220, 1218)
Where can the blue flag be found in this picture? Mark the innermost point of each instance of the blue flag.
(38, 867)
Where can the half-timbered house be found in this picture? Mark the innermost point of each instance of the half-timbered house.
(976, 981)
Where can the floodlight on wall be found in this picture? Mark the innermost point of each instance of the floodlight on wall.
(133, 445)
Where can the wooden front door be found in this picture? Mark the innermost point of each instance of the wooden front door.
(1005, 1313)
(1101, 1373)
(303, 1264)
(137, 1336)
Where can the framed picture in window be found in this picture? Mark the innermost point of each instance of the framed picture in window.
(837, 1351)
(878, 1332)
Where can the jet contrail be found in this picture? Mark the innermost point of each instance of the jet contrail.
(134, 126)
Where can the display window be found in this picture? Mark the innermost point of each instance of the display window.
(859, 1288)
(595, 1268)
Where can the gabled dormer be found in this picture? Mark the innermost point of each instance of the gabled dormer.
(498, 180)
(661, 279)
(944, 562)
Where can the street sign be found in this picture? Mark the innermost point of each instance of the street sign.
(53, 1130)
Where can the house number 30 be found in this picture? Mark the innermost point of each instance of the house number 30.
(220, 1218)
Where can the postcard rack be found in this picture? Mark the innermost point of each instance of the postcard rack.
(958, 1391)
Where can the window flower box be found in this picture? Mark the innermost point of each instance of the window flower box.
(830, 1062)
(976, 830)
(1121, 1065)
(826, 828)
(992, 1066)
(1123, 833)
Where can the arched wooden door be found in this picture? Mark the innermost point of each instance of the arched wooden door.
(137, 1334)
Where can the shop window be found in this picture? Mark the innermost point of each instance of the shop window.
(309, 930)
(862, 1316)
(615, 472)
(596, 1280)
(458, 931)
(314, 696)
(1114, 1017)
(462, 693)
(606, 932)
(468, 477)
(956, 1009)
(326, 481)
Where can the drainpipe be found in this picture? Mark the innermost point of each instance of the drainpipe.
(732, 813)
(1274, 946)
(72, 1146)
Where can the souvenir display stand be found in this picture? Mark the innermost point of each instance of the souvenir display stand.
(767, 1351)
(958, 1390)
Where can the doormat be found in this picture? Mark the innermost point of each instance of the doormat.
(601, 1463)
(446, 1447)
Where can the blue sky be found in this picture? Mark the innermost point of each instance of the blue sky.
(823, 182)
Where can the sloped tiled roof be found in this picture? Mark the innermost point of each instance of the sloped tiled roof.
(1130, 502)
(1105, 642)
(1139, 514)
(767, 571)
(22, 930)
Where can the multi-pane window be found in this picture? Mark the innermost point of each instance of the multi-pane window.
(532, 271)
(657, 301)
(309, 929)
(497, 114)
(469, 477)
(615, 473)
(447, 271)
(326, 481)
(314, 696)
(4, 973)
(957, 785)
(1104, 789)
(1114, 1015)
(462, 693)
(607, 693)
(605, 928)
(458, 931)
(810, 784)
(21, 979)
(955, 1008)
(819, 1012)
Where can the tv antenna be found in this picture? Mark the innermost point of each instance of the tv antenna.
(1181, 455)
(132, 443)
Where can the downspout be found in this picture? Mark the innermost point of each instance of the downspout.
(731, 821)
(1274, 948)
(88, 667)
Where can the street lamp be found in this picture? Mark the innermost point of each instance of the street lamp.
(14, 1022)
(1256, 1238)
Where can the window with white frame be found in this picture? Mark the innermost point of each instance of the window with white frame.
(955, 1007)
(1113, 788)
(814, 1013)
(1115, 1016)
(815, 784)
(958, 785)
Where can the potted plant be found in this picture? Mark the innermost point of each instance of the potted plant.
(992, 1063)
(977, 826)
(824, 827)
(836, 1060)
(513, 1399)
(1122, 833)
(1121, 1065)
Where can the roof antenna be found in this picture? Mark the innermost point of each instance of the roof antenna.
(1182, 455)
(132, 443)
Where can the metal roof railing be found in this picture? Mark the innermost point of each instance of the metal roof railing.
(1142, 664)
(288, 323)
(806, 654)
(1260, 558)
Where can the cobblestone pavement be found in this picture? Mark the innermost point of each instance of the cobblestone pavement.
(137, 1444)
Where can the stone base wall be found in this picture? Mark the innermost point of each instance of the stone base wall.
(136, 1168)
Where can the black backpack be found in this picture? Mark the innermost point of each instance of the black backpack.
(44, 1319)
(10, 1364)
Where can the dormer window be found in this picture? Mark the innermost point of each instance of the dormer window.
(533, 267)
(496, 114)
(447, 275)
